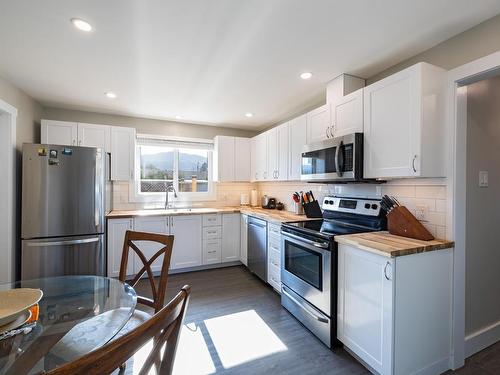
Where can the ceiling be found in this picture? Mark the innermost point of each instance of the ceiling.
(212, 61)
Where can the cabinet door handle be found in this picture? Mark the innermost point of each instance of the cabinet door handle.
(413, 163)
(277, 174)
(265, 175)
(385, 271)
(326, 130)
(74, 142)
(332, 131)
(256, 175)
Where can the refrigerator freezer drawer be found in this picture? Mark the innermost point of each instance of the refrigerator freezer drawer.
(48, 257)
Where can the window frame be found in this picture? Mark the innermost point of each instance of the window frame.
(176, 143)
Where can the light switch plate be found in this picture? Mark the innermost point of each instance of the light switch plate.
(483, 178)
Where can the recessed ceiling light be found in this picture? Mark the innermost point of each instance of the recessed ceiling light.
(81, 24)
(110, 94)
(249, 114)
(306, 75)
(179, 117)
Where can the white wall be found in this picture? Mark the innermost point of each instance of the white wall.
(483, 206)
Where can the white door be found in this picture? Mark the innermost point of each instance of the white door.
(244, 239)
(122, 153)
(391, 122)
(59, 132)
(318, 124)
(187, 233)
(298, 134)
(282, 155)
(230, 237)
(92, 135)
(272, 153)
(116, 237)
(225, 154)
(347, 114)
(261, 157)
(365, 306)
(155, 224)
(242, 159)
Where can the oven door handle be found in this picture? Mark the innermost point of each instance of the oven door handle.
(321, 245)
(304, 307)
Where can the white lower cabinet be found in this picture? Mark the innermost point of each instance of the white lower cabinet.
(212, 251)
(154, 224)
(395, 313)
(115, 237)
(244, 239)
(230, 237)
(187, 231)
(274, 256)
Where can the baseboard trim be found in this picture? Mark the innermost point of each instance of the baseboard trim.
(437, 367)
(481, 339)
(205, 267)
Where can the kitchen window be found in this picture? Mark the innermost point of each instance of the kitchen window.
(184, 164)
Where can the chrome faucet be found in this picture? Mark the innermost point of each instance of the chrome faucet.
(169, 189)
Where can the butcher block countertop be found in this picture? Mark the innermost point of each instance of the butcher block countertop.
(273, 216)
(389, 245)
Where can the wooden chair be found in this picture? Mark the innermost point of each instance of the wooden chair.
(158, 291)
(164, 328)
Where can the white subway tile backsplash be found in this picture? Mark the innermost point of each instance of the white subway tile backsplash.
(399, 191)
(435, 192)
(440, 205)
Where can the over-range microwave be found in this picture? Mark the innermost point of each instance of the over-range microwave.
(338, 159)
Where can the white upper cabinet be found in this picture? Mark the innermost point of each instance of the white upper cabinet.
(122, 153)
(319, 124)
(242, 157)
(187, 231)
(230, 237)
(404, 124)
(224, 158)
(277, 153)
(272, 152)
(59, 133)
(232, 159)
(347, 114)
(92, 135)
(259, 158)
(297, 140)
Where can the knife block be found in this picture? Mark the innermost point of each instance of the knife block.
(401, 222)
(312, 210)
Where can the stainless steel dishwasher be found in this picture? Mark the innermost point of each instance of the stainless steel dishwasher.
(257, 247)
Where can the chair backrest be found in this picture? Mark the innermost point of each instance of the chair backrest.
(158, 291)
(164, 328)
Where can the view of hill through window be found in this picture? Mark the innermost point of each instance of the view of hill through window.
(159, 166)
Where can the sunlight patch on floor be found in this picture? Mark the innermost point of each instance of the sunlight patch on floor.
(242, 337)
(192, 356)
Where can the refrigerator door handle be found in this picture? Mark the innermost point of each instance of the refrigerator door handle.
(62, 243)
(98, 193)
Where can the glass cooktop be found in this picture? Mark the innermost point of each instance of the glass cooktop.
(327, 228)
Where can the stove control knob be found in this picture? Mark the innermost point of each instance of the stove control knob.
(374, 206)
(330, 202)
(367, 206)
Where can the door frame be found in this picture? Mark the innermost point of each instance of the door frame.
(456, 152)
(8, 120)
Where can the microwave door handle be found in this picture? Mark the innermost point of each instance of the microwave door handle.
(337, 167)
(340, 159)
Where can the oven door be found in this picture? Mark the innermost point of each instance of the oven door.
(333, 159)
(306, 269)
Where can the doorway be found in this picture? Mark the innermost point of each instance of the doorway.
(8, 117)
(482, 214)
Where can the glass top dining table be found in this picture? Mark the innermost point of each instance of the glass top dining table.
(77, 315)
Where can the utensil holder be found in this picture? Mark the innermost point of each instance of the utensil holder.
(401, 222)
(312, 210)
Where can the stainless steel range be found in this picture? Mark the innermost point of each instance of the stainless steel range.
(309, 261)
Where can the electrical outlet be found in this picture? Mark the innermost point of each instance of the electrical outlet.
(421, 212)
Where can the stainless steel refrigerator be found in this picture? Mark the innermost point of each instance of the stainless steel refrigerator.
(63, 211)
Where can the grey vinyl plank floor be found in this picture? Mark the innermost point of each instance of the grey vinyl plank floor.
(235, 325)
